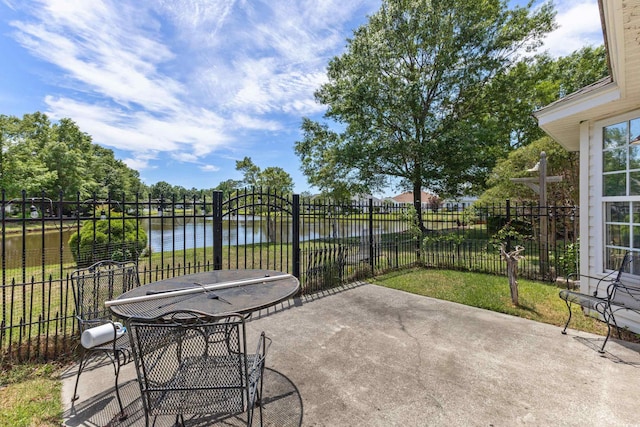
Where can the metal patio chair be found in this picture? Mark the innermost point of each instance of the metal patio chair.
(92, 286)
(192, 364)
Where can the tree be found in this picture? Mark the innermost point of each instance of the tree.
(319, 152)
(66, 154)
(411, 95)
(38, 156)
(21, 167)
(161, 189)
(273, 177)
(228, 187)
(276, 179)
(534, 83)
(559, 162)
(250, 171)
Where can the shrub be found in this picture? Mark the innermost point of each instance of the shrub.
(568, 262)
(110, 239)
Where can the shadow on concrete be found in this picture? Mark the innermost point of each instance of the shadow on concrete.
(595, 343)
(282, 406)
(299, 301)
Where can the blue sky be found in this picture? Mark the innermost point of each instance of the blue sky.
(180, 90)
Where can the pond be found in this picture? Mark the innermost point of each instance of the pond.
(167, 235)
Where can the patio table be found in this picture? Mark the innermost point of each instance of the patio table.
(213, 293)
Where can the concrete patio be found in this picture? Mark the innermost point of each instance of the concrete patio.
(365, 355)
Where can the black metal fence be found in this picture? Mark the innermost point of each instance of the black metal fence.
(321, 242)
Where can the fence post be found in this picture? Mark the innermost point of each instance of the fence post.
(295, 230)
(217, 230)
(508, 206)
(371, 248)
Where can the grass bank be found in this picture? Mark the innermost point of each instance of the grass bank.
(538, 301)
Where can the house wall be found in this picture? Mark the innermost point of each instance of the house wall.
(592, 219)
(576, 122)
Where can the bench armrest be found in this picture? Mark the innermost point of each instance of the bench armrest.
(623, 295)
(606, 278)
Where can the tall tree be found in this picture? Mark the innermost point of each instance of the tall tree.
(161, 189)
(66, 154)
(22, 143)
(228, 187)
(273, 177)
(250, 171)
(410, 92)
(38, 156)
(276, 178)
(528, 86)
(535, 82)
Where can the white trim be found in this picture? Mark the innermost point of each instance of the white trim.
(629, 115)
(584, 200)
(598, 202)
(615, 29)
(580, 104)
(596, 174)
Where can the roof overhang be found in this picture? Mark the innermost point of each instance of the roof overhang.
(561, 120)
(610, 96)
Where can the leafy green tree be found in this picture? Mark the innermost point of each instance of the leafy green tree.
(534, 83)
(410, 94)
(250, 171)
(21, 147)
(275, 178)
(528, 86)
(560, 162)
(38, 156)
(228, 187)
(320, 152)
(161, 189)
(65, 154)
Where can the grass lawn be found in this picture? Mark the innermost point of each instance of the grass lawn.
(30, 395)
(538, 301)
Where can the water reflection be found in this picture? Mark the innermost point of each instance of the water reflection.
(169, 234)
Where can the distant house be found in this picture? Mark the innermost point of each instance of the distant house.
(390, 201)
(602, 122)
(426, 199)
(459, 203)
(364, 198)
(362, 201)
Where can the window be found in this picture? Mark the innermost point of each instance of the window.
(621, 191)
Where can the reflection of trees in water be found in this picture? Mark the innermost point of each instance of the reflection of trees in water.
(167, 234)
(248, 230)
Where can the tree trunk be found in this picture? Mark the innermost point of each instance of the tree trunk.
(417, 204)
(512, 259)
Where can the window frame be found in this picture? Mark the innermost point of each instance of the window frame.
(633, 201)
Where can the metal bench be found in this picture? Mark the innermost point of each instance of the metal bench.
(619, 296)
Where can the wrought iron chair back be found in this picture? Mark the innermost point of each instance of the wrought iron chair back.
(92, 286)
(192, 364)
(619, 295)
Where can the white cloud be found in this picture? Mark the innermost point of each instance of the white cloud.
(185, 157)
(578, 26)
(139, 163)
(244, 121)
(184, 77)
(101, 53)
(209, 168)
(141, 131)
